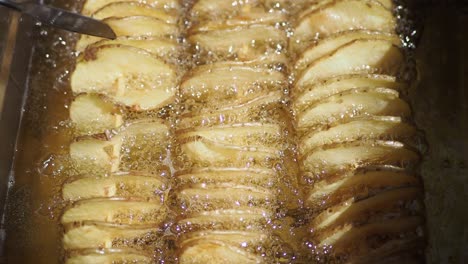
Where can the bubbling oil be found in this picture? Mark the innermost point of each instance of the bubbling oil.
(275, 218)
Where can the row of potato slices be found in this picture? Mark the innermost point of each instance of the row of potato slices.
(123, 212)
(118, 217)
(355, 141)
(136, 71)
(233, 126)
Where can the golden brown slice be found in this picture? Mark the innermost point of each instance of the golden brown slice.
(310, 94)
(129, 76)
(348, 157)
(92, 6)
(214, 252)
(222, 8)
(254, 218)
(115, 210)
(329, 192)
(346, 107)
(206, 152)
(376, 208)
(225, 246)
(339, 16)
(252, 16)
(265, 109)
(94, 156)
(375, 128)
(91, 114)
(224, 196)
(126, 9)
(133, 26)
(250, 134)
(357, 240)
(101, 236)
(115, 256)
(118, 185)
(164, 48)
(358, 56)
(241, 43)
(228, 85)
(254, 177)
(335, 41)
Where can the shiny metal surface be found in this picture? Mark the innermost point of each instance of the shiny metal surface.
(62, 19)
(15, 55)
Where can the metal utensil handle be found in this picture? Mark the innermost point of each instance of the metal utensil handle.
(10, 4)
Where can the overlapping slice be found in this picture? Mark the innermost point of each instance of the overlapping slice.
(130, 8)
(338, 16)
(228, 85)
(361, 183)
(358, 56)
(92, 6)
(344, 107)
(359, 240)
(334, 42)
(312, 93)
(166, 49)
(133, 26)
(104, 155)
(103, 236)
(113, 256)
(239, 43)
(359, 154)
(115, 210)
(129, 76)
(373, 128)
(222, 246)
(118, 185)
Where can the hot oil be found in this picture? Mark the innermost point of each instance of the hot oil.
(32, 221)
(34, 207)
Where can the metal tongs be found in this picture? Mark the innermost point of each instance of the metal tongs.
(62, 19)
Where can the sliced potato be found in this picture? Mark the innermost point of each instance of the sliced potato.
(126, 9)
(339, 16)
(310, 94)
(326, 193)
(94, 156)
(343, 157)
(127, 75)
(241, 43)
(110, 258)
(219, 9)
(223, 85)
(92, 6)
(266, 109)
(352, 238)
(214, 252)
(253, 16)
(224, 196)
(161, 47)
(333, 42)
(91, 114)
(116, 211)
(346, 107)
(252, 135)
(234, 237)
(119, 185)
(133, 26)
(254, 177)
(112, 236)
(387, 203)
(226, 219)
(377, 128)
(145, 145)
(358, 56)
